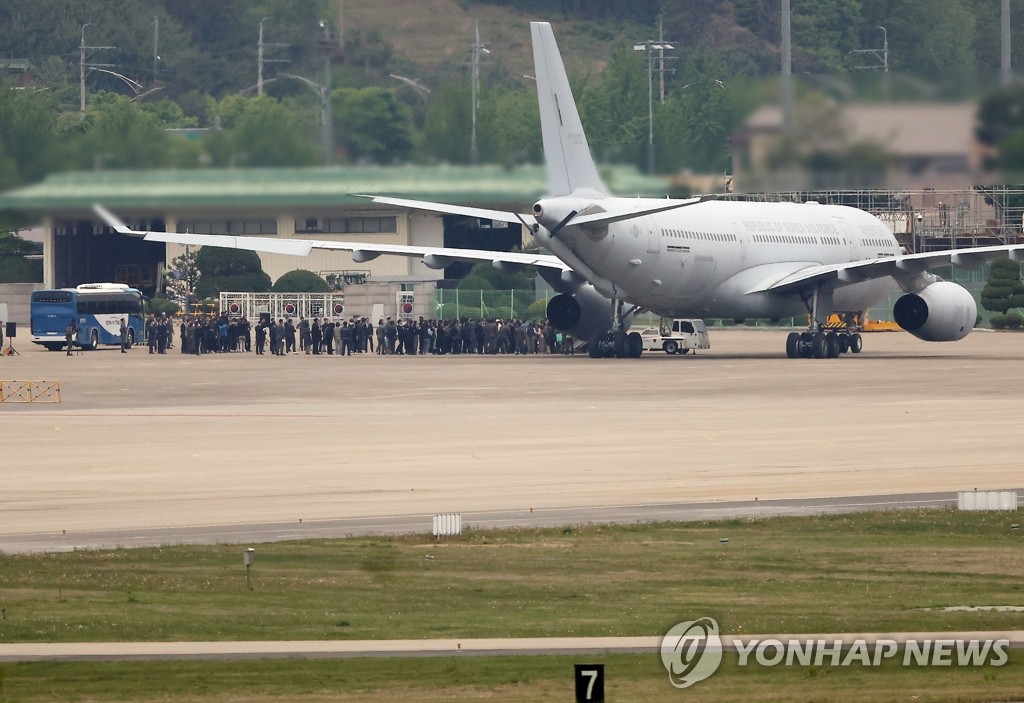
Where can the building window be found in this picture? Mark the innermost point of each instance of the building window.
(228, 226)
(347, 225)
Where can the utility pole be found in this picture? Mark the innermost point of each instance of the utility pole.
(1006, 74)
(787, 68)
(649, 47)
(476, 48)
(328, 117)
(82, 65)
(261, 60)
(156, 46)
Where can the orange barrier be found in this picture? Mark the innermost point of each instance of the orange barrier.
(29, 391)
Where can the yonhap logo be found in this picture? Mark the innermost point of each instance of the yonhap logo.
(691, 651)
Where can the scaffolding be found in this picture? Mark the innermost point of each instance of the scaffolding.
(927, 219)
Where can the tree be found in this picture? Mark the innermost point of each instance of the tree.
(229, 270)
(300, 281)
(262, 131)
(1004, 289)
(374, 124)
(183, 276)
(28, 137)
(483, 276)
(14, 267)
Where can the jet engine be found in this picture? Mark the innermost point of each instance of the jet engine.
(584, 313)
(942, 312)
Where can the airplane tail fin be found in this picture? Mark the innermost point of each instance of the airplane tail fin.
(570, 165)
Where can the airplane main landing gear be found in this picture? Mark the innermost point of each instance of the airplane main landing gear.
(618, 343)
(818, 342)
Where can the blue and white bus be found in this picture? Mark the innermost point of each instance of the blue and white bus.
(95, 308)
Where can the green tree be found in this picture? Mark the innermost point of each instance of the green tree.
(934, 37)
(183, 276)
(118, 133)
(824, 32)
(14, 267)
(373, 124)
(229, 270)
(446, 126)
(483, 276)
(300, 281)
(261, 131)
(1004, 289)
(28, 136)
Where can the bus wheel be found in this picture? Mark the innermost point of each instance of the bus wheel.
(131, 338)
(94, 340)
(53, 347)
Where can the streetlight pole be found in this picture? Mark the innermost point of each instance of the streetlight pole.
(156, 46)
(476, 48)
(649, 47)
(328, 126)
(1006, 74)
(259, 60)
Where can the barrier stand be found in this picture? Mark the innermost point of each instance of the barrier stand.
(29, 391)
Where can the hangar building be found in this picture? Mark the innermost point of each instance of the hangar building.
(313, 203)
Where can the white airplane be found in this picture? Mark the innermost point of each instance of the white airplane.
(682, 258)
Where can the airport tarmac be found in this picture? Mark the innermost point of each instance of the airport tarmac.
(237, 447)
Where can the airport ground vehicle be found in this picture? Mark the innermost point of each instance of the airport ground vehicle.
(96, 309)
(676, 336)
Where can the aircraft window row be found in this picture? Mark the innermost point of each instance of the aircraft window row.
(784, 239)
(703, 236)
(871, 242)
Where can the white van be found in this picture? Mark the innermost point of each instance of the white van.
(676, 336)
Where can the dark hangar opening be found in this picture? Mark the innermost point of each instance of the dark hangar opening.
(85, 251)
(472, 233)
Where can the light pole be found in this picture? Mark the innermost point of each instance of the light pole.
(259, 59)
(649, 47)
(328, 127)
(476, 48)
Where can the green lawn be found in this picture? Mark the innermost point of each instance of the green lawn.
(873, 572)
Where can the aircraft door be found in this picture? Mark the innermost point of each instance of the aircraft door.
(653, 236)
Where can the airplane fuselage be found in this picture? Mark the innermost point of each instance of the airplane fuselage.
(703, 260)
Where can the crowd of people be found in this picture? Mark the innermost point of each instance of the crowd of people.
(356, 335)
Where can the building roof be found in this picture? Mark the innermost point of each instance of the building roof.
(300, 187)
(906, 129)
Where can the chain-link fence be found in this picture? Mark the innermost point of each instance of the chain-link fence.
(489, 304)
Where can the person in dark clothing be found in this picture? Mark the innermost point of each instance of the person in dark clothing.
(305, 336)
(272, 331)
(289, 336)
(346, 340)
(317, 336)
(328, 334)
(261, 338)
(70, 333)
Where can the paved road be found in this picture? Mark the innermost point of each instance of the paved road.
(154, 449)
(497, 646)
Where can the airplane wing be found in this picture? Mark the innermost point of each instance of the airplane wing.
(446, 209)
(908, 265)
(433, 257)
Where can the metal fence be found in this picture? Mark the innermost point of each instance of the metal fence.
(489, 304)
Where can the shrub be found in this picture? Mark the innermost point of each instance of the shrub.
(300, 281)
